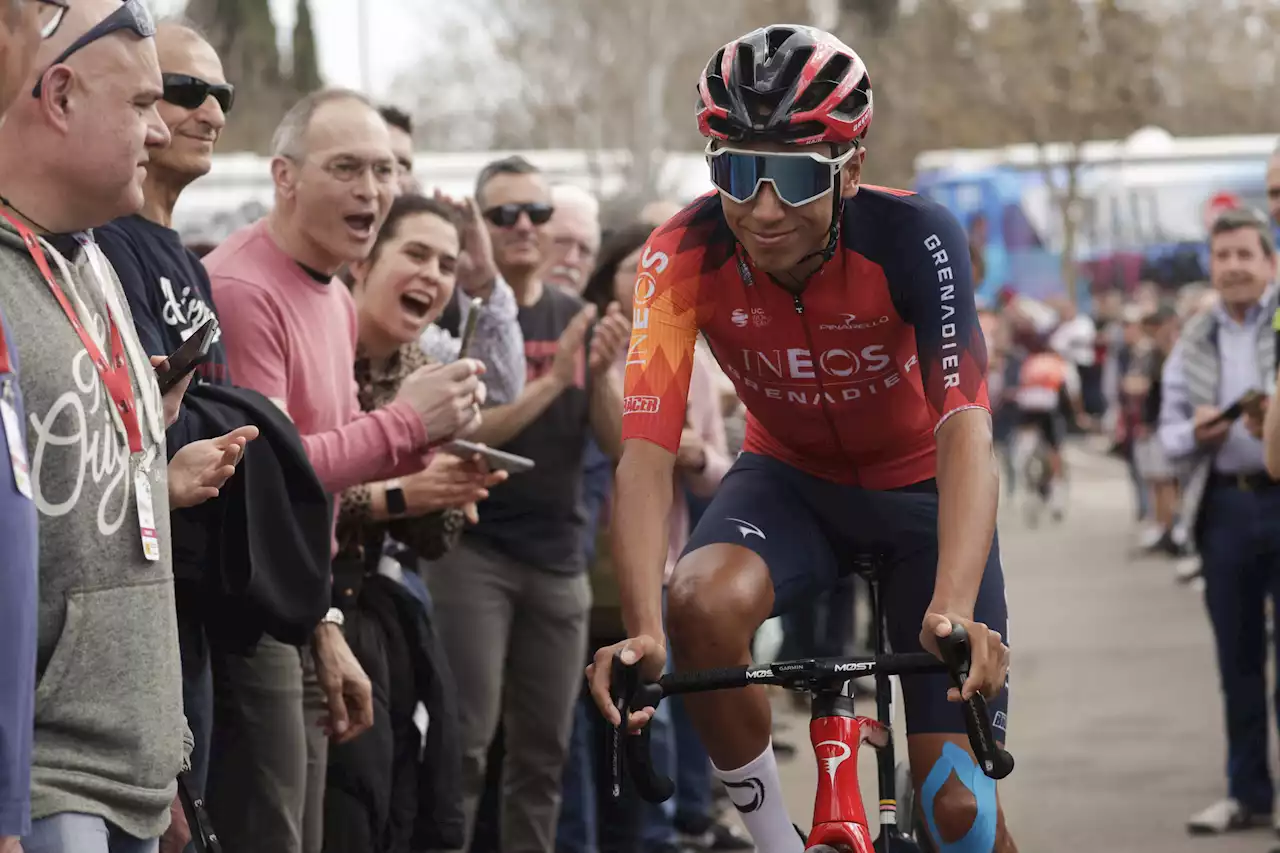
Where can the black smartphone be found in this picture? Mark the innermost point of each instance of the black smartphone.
(1236, 409)
(469, 333)
(187, 357)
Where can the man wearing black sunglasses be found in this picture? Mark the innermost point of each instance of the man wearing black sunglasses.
(520, 572)
(170, 298)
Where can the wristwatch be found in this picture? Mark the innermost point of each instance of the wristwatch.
(395, 498)
(333, 617)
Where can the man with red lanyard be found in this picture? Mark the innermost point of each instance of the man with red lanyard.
(109, 738)
(26, 24)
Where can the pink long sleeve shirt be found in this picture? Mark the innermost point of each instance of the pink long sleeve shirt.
(292, 338)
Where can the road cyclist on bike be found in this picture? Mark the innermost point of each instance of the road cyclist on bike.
(1048, 390)
(844, 314)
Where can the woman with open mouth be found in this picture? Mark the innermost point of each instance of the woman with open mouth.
(402, 286)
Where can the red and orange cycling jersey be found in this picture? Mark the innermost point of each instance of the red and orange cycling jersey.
(1043, 379)
(847, 381)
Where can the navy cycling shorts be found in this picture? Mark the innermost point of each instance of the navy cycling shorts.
(807, 530)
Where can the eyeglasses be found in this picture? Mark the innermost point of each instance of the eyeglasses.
(347, 169)
(507, 215)
(51, 14)
(797, 177)
(190, 93)
(133, 16)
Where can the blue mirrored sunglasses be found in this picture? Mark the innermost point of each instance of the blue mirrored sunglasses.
(798, 177)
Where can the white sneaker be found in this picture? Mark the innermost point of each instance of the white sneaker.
(1225, 816)
(1150, 536)
(1187, 569)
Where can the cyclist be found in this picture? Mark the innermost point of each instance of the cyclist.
(844, 315)
(1048, 385)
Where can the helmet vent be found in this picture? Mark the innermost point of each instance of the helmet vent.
(835, 69)
(814, 95)
(776, 37)
(746, 61)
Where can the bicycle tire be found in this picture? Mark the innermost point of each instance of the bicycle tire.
(910, 823)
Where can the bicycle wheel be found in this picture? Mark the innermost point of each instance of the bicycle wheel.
(1033, 495)
(910, 824)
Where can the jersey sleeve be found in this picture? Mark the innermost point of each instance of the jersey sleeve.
(664, 331)
(935, 292)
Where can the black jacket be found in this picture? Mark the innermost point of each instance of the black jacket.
(260, 552)
(387, 791)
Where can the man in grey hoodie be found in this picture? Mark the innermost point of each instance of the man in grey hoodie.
(23, 25)
(109, 733)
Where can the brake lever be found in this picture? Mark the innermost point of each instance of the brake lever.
(996, 762)
(632, 755)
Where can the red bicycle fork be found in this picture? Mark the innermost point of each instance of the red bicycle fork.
(839, 819)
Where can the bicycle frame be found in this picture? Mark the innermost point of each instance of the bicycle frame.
(835, 730)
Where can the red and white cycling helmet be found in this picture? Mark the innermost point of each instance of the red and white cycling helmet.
(785, 83)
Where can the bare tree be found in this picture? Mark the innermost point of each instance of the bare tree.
(244, 35)
(597, 76)
(1059, 73)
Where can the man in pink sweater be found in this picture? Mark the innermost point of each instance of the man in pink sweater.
(290, 333)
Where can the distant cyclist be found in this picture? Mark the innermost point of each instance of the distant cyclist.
(1048, 386)
(844, 314)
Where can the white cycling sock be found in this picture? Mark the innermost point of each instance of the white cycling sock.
(756, 791)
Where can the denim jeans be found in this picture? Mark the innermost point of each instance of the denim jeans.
(81, 833)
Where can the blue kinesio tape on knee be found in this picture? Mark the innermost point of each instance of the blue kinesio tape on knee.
(981, 837)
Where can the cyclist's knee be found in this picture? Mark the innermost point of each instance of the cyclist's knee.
(959, 803)
(717, 598)
(955, 809)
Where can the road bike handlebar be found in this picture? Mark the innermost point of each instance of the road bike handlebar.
(628, 754)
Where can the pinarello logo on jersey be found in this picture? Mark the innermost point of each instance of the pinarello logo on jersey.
(850, 322)
(640, 405)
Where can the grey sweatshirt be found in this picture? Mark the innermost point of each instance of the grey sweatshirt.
(109, 730)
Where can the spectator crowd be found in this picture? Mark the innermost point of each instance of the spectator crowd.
(256, 596)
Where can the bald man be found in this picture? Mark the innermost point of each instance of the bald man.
(23, 25)
(575, 235)
(109, 739)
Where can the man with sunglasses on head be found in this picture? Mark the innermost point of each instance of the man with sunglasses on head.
(845, 316)
(109, 735)
(24, 24)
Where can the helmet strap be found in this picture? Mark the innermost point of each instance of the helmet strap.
(828, 251)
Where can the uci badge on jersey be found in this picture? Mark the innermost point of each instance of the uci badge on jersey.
(146, 514)
(13, 437)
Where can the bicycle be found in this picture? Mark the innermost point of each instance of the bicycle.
(1032, 449)
(835, 730)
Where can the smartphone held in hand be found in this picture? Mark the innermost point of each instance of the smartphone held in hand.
(469, 332)
(499, 460)
(188, 357)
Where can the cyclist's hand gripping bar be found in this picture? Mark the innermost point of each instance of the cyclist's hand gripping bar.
(995, 762)
(628, 754)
